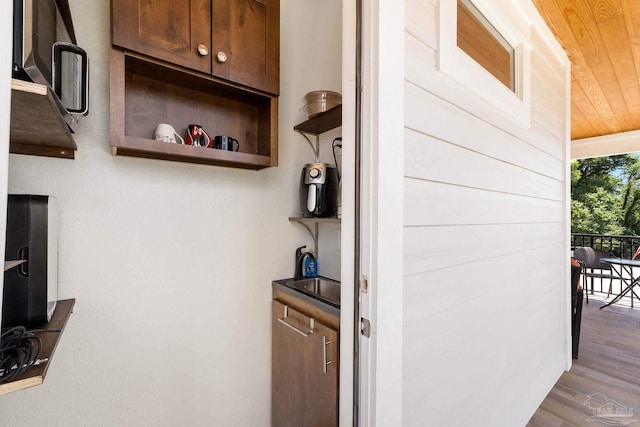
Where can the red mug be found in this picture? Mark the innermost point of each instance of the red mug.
(197, 137)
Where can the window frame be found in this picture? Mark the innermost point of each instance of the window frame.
(466, 72)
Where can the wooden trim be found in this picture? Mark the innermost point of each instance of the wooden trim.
(607, 145)
(29, 87)
(116, 98)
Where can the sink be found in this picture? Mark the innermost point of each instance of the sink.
(324, 289)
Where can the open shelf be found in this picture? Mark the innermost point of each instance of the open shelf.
(36, 374)
(146, 92)
(148, 148)
(318, 125)
(313, 220)
(322, 122)
(37, 127)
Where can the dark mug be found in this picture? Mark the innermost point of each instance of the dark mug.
(222, 142)
(197, 137)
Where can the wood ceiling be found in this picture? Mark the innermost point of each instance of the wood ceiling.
(602, 40)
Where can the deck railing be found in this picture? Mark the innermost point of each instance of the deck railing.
(620, 246)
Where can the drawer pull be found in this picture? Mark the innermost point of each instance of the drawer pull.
(325, 362)
(298, 330)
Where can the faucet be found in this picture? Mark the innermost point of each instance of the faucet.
(297, 275)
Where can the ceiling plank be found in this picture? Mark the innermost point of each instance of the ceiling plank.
(581, 125)
(583, 107)
(631, 13)
(615, 38)
(582, 74)
(605, 10)
(581, 21)
(602, 40)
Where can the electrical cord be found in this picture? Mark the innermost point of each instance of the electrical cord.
(19, 350)
(335, 145)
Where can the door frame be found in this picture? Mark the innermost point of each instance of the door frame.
(349, 235)
(373, 88)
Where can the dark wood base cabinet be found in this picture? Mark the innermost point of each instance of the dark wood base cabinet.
(305, 365)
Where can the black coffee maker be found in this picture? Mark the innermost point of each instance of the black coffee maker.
(319, 190)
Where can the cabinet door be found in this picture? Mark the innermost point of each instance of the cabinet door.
(164, 29)
(304, 371)
(245, 43)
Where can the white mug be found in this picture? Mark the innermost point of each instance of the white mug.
(166, 133)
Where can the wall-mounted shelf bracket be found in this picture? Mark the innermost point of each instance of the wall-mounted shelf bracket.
(313, 232)
(311, 224)
(315, 146)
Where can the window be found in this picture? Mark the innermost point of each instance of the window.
(484, 46)
(482, 42)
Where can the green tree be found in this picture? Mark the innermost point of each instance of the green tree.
(590, 174)
(630, 197)
(605, 195)
(599, 212)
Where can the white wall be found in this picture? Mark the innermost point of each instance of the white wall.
(485, 236)
(171, 263)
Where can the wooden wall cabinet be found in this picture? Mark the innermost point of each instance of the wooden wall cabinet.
(236, 40)
(305, 364)
(162, 71)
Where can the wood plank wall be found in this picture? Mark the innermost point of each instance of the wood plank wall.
(484, 241)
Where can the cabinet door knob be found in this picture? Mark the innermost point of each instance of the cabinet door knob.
(222, 57)
(203, 50)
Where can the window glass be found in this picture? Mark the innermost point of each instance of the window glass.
(482, 42)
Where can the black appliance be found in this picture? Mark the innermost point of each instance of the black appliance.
(31, 289)
(44, 52)
(318, 190)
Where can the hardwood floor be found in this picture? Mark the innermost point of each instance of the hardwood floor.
(608, 370)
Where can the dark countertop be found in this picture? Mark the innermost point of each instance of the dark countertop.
(285, 285)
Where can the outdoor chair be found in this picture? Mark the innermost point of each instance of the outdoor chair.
(576, 304)
(589, 259)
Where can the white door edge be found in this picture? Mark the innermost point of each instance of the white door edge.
(381, 202)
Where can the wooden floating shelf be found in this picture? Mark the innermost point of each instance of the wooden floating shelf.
(313, 220)
(35, 375)
(151, 149)
(322, 122)
(37, 127)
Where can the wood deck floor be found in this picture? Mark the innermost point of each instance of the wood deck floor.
(608, 363)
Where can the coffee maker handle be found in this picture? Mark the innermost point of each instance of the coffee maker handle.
(311, 198)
